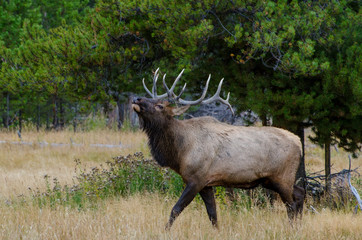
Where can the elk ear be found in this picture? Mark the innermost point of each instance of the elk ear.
(176, 111)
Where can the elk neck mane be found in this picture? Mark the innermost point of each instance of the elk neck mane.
(162, 140)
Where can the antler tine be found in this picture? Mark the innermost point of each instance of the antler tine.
(154, 87)
(145, 87)
(226, 102)
(185, 102)
(182, 91)
(175, 82)
(153, 94)
(170, 92)
(217, 97)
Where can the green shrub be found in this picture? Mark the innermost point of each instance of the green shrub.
(123, 176)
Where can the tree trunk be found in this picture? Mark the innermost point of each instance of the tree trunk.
(327, 166)
(129, 111)
(301, 177)
(132, 115)
(264, 120)
(20, 121)
(61, 114)
(7, 120)
(38, 118)
(120, 118)
(55, 114)
(47, 124)
(75, 118)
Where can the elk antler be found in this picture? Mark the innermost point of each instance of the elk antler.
(177, 98)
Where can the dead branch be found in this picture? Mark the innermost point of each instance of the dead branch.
(354, 191)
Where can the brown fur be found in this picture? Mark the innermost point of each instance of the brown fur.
(206, 153)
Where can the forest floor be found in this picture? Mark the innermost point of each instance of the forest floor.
(142, 216)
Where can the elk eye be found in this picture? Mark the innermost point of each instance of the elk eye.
(160, 107)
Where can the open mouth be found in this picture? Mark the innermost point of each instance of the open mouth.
(136, 107)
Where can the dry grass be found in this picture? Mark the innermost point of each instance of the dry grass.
(141, 216)
(22, 166)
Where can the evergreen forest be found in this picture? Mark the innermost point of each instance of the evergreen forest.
(297, 63)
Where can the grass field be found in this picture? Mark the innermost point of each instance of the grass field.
(143, 215)
(22, 166)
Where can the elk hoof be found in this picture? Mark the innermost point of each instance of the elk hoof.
(168, 227)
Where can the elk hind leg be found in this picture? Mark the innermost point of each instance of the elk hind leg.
(207, 195)
(286, 194)
(298, 198)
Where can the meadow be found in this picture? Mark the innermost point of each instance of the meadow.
(34, 204)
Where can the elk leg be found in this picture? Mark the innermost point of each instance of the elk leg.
(298, 197)
(187, 196)
(287, 198)
(207, 194)
(286, 194)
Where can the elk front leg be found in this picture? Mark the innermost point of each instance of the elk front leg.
(187, 196)
(207, 194)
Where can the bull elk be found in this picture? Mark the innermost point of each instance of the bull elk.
(208, 153)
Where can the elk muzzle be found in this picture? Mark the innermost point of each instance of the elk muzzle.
(135, 103)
